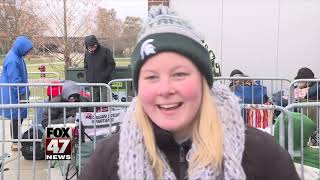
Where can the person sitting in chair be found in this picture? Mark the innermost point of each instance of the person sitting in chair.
(71, 92)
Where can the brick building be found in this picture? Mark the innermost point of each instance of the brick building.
(157, 2)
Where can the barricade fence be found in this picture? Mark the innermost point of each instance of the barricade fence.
(253, 108)
(92, 135)
(43, 93)
(40, 92)
(122, 90)
(296, 131)
(307, 131)
(88, 128)
(283, 130)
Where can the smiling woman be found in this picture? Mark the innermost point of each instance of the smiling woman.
(181, 125)
(163, 94)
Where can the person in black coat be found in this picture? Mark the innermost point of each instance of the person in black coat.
(98, 64)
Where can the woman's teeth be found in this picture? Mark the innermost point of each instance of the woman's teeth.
(169, 106)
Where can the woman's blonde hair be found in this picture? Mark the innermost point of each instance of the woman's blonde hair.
(207, 135)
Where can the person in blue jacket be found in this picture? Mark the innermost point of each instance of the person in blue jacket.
(15, 71)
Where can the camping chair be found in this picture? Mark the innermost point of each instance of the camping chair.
(87, 134)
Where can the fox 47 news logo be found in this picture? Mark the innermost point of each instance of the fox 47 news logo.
(58, 143)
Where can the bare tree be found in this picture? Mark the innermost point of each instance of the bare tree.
(131, 28)
(67, 21)
(17, 19)
(115, 34)
(109, 27)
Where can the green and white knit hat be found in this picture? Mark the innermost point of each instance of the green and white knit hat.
(165, 32)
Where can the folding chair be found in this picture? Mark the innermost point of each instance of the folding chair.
(91, 128)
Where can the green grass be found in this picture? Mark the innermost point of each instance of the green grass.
(311, 157)
(31, 60)
(56, 66)
(52, 67)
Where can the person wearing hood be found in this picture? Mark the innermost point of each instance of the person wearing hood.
(306, 90)
(15, 71)
(181, 125)
(70, 93)
(98, 65)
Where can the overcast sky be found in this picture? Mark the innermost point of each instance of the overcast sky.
(127, 7)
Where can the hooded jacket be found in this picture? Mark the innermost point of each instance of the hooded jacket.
(99, 64)
(256, 152)
(57, 114)
(15, 71)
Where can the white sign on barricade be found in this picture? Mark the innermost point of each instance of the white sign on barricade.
(102, 121)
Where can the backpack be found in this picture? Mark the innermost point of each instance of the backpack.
(27, 147)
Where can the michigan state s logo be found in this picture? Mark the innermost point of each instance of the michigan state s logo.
(147, 48)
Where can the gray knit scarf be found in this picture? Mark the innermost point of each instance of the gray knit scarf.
(133, 157)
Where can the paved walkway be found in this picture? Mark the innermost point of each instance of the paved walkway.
(310, 173)
(29, 169)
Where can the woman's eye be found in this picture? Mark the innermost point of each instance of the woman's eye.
(180, 74)
(151, 77)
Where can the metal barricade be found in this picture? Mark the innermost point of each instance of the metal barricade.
(310, 150)
(18, 168)
(122, 90)
(304, 90)
(111, 106)
(39, 93)
(284, 113)
(102, 90)
(96, 92)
